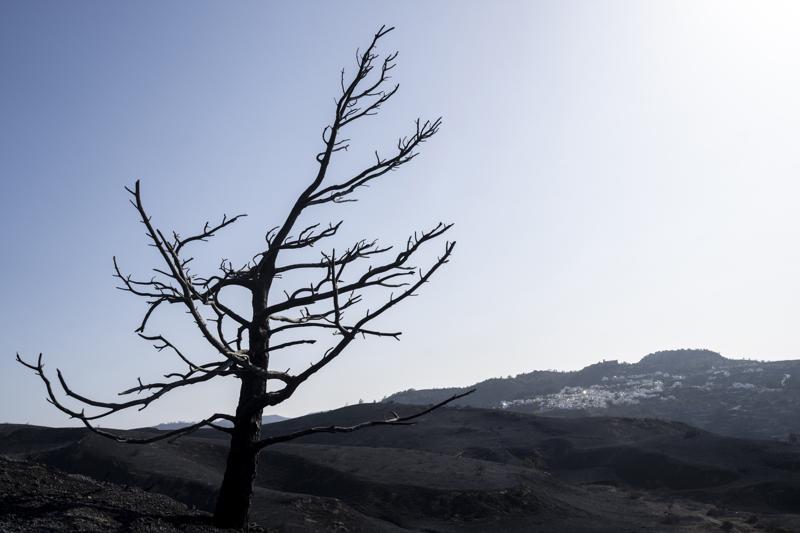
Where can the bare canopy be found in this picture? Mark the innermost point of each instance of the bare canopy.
(276, 321)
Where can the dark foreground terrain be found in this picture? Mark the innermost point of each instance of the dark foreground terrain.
(36, 497)
(459, 469)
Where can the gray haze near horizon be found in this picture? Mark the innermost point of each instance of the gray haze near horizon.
(623, 178)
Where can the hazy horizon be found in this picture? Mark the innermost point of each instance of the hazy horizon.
(276, 411)
(622, 177)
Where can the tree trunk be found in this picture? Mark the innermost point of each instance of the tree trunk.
(233, 502)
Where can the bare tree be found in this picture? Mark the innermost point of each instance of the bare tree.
(283, 321)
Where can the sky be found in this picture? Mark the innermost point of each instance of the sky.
(622, 177)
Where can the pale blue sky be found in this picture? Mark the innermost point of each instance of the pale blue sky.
(622, 175)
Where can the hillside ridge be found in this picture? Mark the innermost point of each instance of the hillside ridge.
(736, 397)
(457, 470)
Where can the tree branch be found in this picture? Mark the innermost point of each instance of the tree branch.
(207, 232)
(368, 279)
(348, 334)
(188, 295)
(347, 110)
(395, 420)
(405, 153)
(113, 407)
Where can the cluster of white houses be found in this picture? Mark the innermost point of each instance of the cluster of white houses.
(632, 389)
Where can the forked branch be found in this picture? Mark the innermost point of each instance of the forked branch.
(38, 368)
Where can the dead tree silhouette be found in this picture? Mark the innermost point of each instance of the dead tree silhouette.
(276, 322)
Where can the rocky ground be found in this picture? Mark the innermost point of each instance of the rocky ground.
(36, 497)
(459, 470)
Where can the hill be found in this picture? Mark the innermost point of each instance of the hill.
(733, 397)
(169, 426)
(461, 469)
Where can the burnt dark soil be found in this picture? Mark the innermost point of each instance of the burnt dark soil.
(36, 497)
(459, 469)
